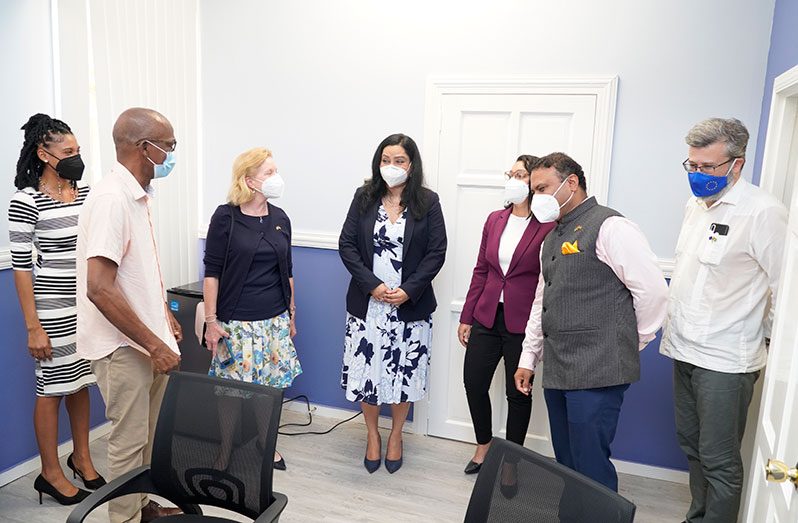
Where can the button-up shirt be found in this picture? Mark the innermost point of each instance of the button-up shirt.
(723, 290)
(624, 248)
(115, 223)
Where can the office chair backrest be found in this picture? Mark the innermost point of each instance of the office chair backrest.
(518, 484)
(214, 442)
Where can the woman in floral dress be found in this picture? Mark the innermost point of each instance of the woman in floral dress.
(249, 288)
(393, 243)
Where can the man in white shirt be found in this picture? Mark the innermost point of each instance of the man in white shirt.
(722, 296)
(124, 326)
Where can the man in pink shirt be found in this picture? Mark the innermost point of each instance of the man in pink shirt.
(601, 298)
(124, 326)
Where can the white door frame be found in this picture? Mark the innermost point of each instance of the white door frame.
(781, 129)
(782, 123)
(603, 87)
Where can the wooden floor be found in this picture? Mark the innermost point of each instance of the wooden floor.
(326, 481)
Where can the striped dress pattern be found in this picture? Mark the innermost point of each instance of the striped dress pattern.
(46, 229)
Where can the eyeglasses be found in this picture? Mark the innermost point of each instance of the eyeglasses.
(704, 168)
(518, 175)
(170, 146)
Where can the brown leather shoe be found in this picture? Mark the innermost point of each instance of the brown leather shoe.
(152, 511)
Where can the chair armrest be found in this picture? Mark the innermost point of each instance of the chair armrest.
(134, 482)
(272, 513)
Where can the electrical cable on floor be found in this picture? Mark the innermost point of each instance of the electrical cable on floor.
(310, 421)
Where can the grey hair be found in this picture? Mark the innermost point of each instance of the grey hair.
(730, 131)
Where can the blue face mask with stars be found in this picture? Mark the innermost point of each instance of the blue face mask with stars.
(705, 185)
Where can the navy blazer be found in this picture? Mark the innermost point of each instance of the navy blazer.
(242, 251)
(423, 254)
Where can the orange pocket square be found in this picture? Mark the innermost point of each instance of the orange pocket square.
(570, 248)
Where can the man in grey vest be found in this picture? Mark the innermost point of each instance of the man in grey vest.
(722, 297)
(600, 299)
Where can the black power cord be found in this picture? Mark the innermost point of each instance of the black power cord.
(310, 421)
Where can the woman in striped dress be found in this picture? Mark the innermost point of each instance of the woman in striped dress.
(43, 214)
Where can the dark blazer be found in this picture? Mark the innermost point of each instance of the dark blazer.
(519, 283)
(424, 252)
(242, 251)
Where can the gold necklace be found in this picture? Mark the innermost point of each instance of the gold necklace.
(45, 189)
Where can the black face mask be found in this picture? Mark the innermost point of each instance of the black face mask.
(69, 168)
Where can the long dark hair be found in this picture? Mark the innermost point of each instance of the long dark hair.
(529, 161)
(413, 195)
(39, 130)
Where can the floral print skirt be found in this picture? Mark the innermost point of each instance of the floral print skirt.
(385, 360)
(257, 352)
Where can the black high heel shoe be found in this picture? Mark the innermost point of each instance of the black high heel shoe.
(279, 464)
(509, 472)
(92, 484)
(42, 486)
(373, 464)
(392, 465)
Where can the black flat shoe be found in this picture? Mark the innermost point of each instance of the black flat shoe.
(91, 484)
(42, 486)
(372, 464)
(472, 467)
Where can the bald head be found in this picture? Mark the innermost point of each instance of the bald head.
(142, 138)
(137, 124)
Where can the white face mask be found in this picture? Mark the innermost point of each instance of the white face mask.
(546, 208)
(273, 186)
(515, 191)
(393, 175)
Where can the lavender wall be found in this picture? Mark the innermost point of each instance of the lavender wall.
(18, 386)
(783, 56)
(646, 428)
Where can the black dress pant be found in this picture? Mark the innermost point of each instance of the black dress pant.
(485, 348)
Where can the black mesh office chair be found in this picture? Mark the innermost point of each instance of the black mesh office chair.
(214, 445)
(518, 484)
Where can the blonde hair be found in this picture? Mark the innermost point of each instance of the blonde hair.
(243, 166)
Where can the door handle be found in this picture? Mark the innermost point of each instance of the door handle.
(779, 472)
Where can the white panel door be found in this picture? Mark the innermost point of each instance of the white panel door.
(777, 427)
(478, 137)
(777, 431)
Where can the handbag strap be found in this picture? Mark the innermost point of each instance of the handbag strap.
(229, 238)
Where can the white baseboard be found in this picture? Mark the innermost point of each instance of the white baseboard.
(650, 471)
(5, 258)
(33, 464)
(624, 467)
(338, 414)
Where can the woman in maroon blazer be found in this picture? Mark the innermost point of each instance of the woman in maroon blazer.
(497, 308)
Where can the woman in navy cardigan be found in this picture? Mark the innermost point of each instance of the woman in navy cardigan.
(393, 243)
(249, 291)
(497, 307)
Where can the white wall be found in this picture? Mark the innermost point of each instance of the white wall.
(27, 86)
(321, 83)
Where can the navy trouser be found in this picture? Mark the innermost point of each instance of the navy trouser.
(583, 424)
